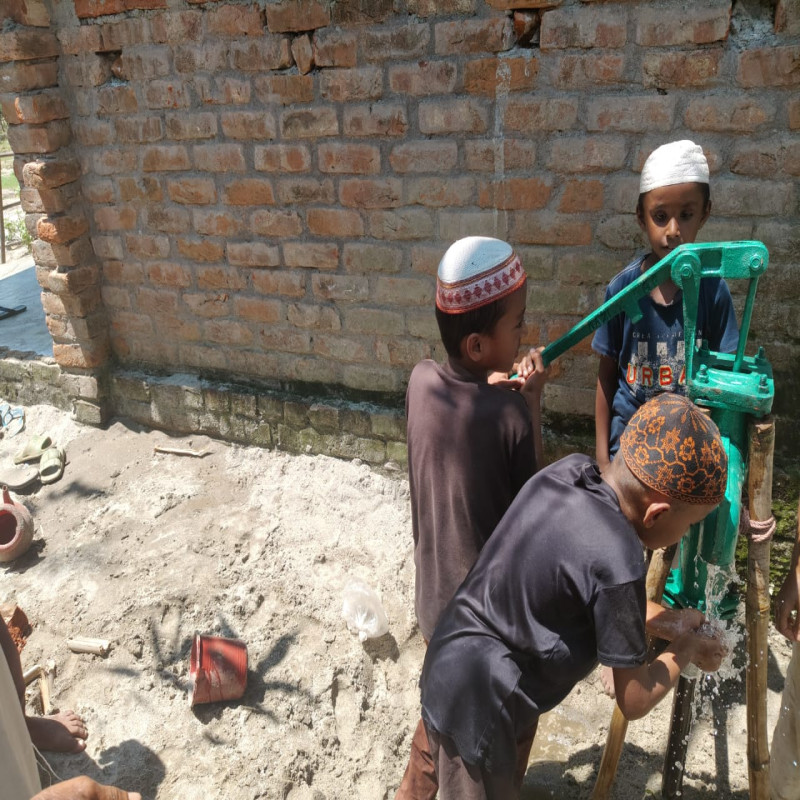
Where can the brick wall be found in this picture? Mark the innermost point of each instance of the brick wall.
(267, 187)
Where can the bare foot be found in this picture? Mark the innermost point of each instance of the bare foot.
(607, 679)
(61, 733)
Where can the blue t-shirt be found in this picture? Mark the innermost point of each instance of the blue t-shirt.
(650, 353)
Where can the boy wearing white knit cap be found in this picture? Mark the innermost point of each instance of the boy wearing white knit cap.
(639, 360)
(473, 441)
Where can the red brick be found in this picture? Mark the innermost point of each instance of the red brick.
(402, 352)
(736, 114)
(631, 114)
(787, 17)
(592, 154)
(374, 320)
(200, 250)
(288, 90)
(309, 123)
(491, 35)
(208, 304)
(378, 119)
(166, 273)
(550, 229)
(794, 114)
(88, 69)
(116, 100)
(202, 125)
(481, 155)
(371, 193)
(163, 158)
(581, 195)
(256, 309)
(219, 158)
(340, 287)
(146, 246)
(85, 39)
(398, 43)
(248, 125)
(88, 354)
(52, 201)
(216, 223)
(303, 54)
(50, 174)
(453, 116)
(113, 162)
(167, 219)
(361, 12)
(248, 192)
(25, 44)
(21, 76)
(28, 12)
(334, 222)
(39, 138)
(290, 284)
(404, 291)
(586, 70)
(584, 26)
(316, 317)
(770, 66)
(157, 302)
(423, 78)
(228, 332)
(252, 254)
(507, 5)
(366, 259)
(204, 57)
(124, 272)
(223, 91)
(220, 278)
(298, 15)
(671, 70)
(457, 224)
(424, 156)
(334, 48)
(144, 190)
(167, 94)
(192, 191)
(316, 256)
(344, 158)
(282, 158)
(403, 224)
(98, 8)
(341, 349)
(115, 218)
(745, 198)
(433, 8)
(533, 115)
(177, 27)
(293, 191)
(145, 63)
(265, 53)
(699, 23)
(34, 109)
(271, 338)
(791, 158)
(344, 85)
(114, 297)
(759, 160)
(497, 76)
(514, 193)
(127, 33)
(276, 223)
(234, 21)
(93, 133)
(441, 192)
(138, 130)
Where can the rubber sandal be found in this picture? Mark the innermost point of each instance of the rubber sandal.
(11, 312)
(33, 450)
(19, 478)
(12, 420)
(51, 467)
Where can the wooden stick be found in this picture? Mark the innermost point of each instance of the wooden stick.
(177, 451)
(761, 434)
(657, 574)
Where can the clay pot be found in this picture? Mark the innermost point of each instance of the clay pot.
(16, 528)
(218, 669)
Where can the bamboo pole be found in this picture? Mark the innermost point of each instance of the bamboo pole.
(678, 742)
(657, 574)
(761, 435)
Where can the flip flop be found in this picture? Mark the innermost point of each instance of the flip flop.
(33, 450)
(11, 312)
(12, 420)
(19, 478)
(51, 467)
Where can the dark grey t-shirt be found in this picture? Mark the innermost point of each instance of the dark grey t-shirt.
(559, 585)
(470, 450)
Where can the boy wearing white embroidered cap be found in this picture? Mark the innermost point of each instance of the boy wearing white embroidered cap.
(639, 360)
(472, 443)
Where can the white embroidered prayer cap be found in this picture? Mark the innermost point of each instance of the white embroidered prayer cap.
(476, 271)
(676, 162)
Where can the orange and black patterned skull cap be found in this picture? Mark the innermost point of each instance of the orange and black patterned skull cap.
(671, 446)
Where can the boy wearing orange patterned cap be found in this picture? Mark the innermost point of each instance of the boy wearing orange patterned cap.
(560, 585)
(472, 442)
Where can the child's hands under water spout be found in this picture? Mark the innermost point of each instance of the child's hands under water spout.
(710, 647)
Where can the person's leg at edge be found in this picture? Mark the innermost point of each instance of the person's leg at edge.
(461, 781)
(784, 767)
(524, 745)
(419, 780)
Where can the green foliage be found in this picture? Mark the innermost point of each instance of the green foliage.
(17, 232)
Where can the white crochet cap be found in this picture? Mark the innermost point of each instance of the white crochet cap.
(676, 162)
(475, 271)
